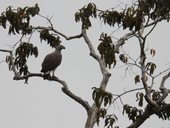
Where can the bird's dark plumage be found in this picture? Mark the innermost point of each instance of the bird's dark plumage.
(52, 60)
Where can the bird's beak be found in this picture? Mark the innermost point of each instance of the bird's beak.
(63, 47)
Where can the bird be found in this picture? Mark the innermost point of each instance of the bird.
(52, 60)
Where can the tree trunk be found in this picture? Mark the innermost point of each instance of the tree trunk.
(92, 117)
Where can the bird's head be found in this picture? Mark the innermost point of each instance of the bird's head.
(60, 47)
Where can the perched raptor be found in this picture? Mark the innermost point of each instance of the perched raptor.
(52, 60)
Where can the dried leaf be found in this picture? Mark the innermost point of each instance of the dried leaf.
(137, 79)
(153, 52)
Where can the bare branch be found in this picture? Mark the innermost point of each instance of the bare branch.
(154, 22)
(66, 37)
(4, 50)
(65, 88)
(103, 69)
(78, 99)
(48, 19)
(148, 90)
(92, 117)
(122, 40)
(151, 30)
(126, 92)
(132, 90)
(164, 90)
(161, 73)
(61, 34)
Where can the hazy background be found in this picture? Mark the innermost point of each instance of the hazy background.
(41, 104)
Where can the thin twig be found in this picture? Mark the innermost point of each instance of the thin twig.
(122, 94)
(59, 33)
(151, 30)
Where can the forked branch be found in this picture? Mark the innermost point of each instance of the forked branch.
(65, 87)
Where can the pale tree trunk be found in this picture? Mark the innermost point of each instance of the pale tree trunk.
(91, 119)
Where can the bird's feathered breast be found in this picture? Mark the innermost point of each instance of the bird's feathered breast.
(51, 61)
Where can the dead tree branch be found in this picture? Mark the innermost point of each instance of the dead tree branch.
(57, 32)
(164, 90)
(120, 95)
(106, 75)
(65, 88)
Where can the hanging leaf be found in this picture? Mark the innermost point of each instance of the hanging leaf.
(152, 52)
(123, 58)
(137, 79)
(140, 97)
(152, 68)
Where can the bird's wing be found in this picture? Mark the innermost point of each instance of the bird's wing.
(51, 61)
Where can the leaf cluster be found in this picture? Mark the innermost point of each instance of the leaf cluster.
(99, 96)
(123, 58)
(49, 38)
(109, 119)
(84, 15)
(140, 98)
(9, 60)
(19, 19)
(132, 112)
(107, 50)
(156, 95)
(156, 8)
(165, 112)
(151, 67)
(129, 18)
(21, 55)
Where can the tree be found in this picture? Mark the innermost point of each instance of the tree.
(137, 20)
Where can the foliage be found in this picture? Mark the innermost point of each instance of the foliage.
(99, 96)
(107, 50)
(85, 13)
(133, 18)
(19, 23)
(132, 112)
(164, 113)
(19, 19)
(21, 55)
(51, 40)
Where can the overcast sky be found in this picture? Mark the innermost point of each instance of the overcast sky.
(41, 104)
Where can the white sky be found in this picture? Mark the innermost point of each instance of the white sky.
(41, 104)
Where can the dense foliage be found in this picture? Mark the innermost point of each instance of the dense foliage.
(134, 18)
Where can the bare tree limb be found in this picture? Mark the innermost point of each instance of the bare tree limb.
(148, 90)
(120, 95)
(103, 69)
(4, 50)
(164, 90)
(78, 99)
(56, 31)
(154, 22)
(91, 120)
(65, 88)
(122, 40)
